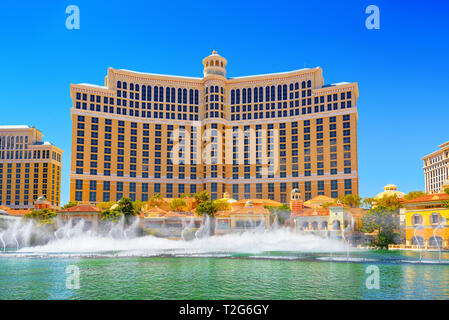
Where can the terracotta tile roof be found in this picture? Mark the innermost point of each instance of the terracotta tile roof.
(13, 212)
(311, 212)
(265, 202)
(430, 197)
(81, 208)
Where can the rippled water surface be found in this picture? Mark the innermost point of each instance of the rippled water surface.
(221, 275)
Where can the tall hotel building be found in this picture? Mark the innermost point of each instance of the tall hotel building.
(29, 168)
(252, 137)
(436, 169)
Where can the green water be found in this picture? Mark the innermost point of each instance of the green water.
(234, 277)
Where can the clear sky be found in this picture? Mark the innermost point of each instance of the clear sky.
(402, 69)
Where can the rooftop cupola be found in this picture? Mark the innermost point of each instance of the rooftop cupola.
(214, 65)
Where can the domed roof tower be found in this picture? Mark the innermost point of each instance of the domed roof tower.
(214, 64)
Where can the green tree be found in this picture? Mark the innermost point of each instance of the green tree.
(222, 204)
(352, 200)
(413, 195)
(177, 204)
(112, 215)
(391, 203)
(125, 206)
(368, 202)
(185, 195)
(206, 207)
(382, 220)
(282, 212)
(203, 196)
(44, 216)
(445, 203)
(70, 204)
(105, 205)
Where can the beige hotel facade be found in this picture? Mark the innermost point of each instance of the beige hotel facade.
(253, 137)
(29, 168)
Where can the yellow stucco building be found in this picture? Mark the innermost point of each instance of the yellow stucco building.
(254, 137)
(29, 168)
(426, 220)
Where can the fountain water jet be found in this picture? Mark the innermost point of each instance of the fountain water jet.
(440, 226)
(3, 242)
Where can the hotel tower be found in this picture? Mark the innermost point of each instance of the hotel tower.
(253, 137)
(29, 168)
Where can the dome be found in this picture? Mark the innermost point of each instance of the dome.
(249, 204)
(390, 190)
(227, 198)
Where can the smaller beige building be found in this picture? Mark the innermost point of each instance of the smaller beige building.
(436, 169)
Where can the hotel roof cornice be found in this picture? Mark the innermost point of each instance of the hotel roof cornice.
(214, 70)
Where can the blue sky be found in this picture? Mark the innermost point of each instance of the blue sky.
(402, 69)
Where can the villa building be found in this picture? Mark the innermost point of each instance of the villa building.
(426, 220)
(436, 169)
(29, 168)
(254, 137)
(321, 216)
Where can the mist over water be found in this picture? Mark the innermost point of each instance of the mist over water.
(120, 239)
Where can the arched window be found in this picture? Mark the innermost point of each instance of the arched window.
(296, 85)
(232, 96)
(119, 84)
(237, 96)
(243, 95)
(417, 219)
(303, 84)
(324, 225)
(184, 96)
(196, 96)
(167, 94)
(291, 86)
(417, 241)
(255, 94)
(173, 95)
(149, 93)
(436, 242)
(156, 93)
(161, 94)
(260, 94)
(211, 89)
(284, 92)
(267, 93)
(131, 86)
(249, 95)
(273, 98)
(179, 95)
(216, 89)
(124, 85)
(309, 83)
(279, 92)
(336, 225)
(315, 225)
(144, 92)
(305, 225)
(137, 87)
(191, 96)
